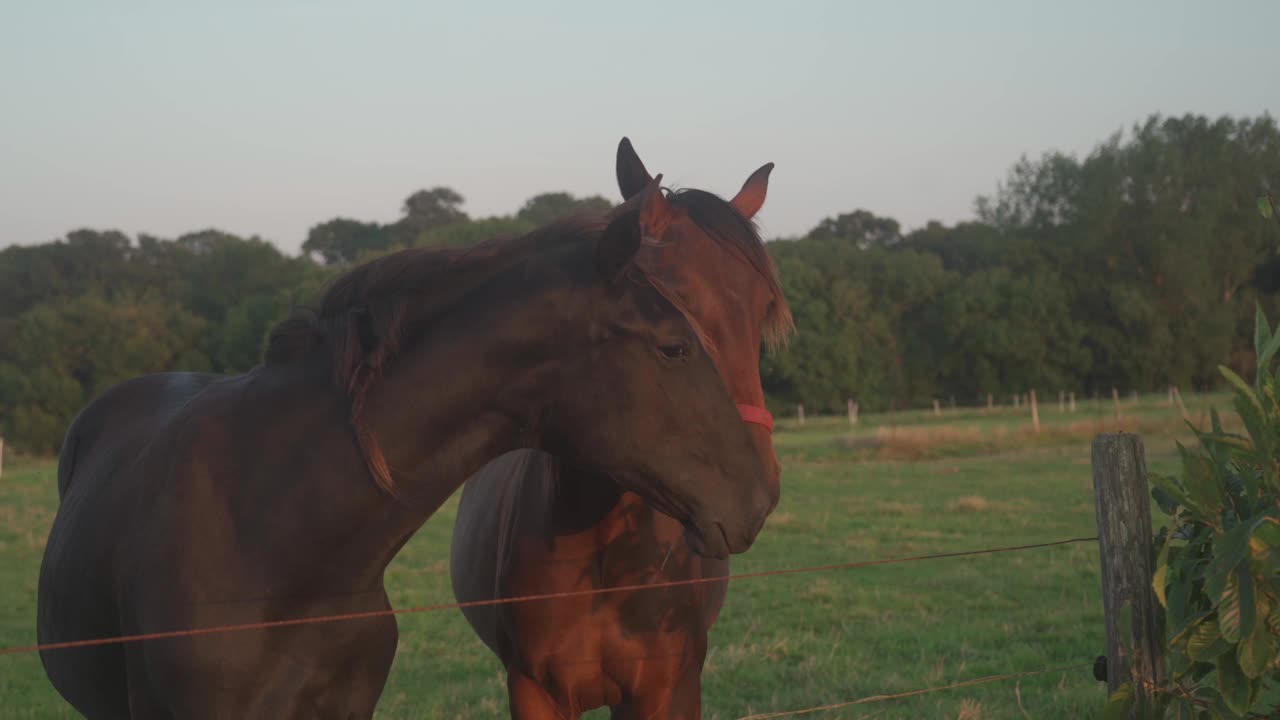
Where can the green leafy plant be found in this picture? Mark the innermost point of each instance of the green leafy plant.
(1217, 571)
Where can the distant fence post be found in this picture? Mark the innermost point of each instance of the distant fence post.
(853, 412)
(1, 455)
(990, 401)
(800, 413)
(1177, 395)
(937, 408)
(1035, 412)
(1072, 398)
(1115, 397)
(1134, 642)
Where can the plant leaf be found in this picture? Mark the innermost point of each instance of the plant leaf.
(1119, 703)
(1233, 684)
(1158, 582)
(1264, 206)
(1261, 333)
(1205, 642)
(1268, 532)
(1167, 502)
(1230, 550)
(1236, 608)
(1179, 600)
(1265, 546)
(1217, 709)
(1240, 385)
(1256, 651)
(1266, 353)
(1169, 486)
(1203, 492)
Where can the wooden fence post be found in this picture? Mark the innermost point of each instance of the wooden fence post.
(937, 409)
(1072, 398)
(1115, 397)
(1035, 412)
(800, 413)
(1177, 395)
(1123, 506)
(990, 401)
(853, 412)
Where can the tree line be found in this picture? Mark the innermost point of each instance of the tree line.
(1136, 266)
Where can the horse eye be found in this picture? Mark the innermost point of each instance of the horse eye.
(674, 351)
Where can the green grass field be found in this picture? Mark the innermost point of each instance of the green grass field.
(967, 480)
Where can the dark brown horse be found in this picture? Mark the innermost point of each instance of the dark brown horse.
(191, 501)
(562, 526)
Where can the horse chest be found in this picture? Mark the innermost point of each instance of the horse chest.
(596, 650)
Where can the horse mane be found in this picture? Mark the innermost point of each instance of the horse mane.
(723, 223)
(365, 316)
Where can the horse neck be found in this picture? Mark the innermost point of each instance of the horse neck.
(470, 389)
(581, 499)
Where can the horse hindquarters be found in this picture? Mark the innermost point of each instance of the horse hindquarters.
(473, 565)
(74, 603)
(74, 599)
(494, 510)
(76, 596)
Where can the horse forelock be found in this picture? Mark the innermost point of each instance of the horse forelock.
(672, 296)
(721, 222)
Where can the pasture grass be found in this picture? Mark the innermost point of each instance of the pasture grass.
(891, 487)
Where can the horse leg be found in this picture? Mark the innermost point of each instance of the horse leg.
(530, 701)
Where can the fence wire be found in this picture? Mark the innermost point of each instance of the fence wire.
(911, 693)
(521, 599)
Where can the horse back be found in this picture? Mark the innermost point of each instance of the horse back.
(120, 421)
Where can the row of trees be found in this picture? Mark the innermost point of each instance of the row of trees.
(1136, 266)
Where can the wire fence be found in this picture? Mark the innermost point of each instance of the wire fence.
(912, 693)
(191, 632)
(341, 617)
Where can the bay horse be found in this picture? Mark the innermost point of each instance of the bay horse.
(193, 500)
(533, 522)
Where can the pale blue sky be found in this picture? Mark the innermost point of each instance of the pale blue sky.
(267, 117)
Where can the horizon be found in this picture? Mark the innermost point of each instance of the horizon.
(264, 121)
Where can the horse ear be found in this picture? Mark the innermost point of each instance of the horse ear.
(656, 214)
(750, 198)
(622, 237)
(632, 176)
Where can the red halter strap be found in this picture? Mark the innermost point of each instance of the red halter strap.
(757, 415)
